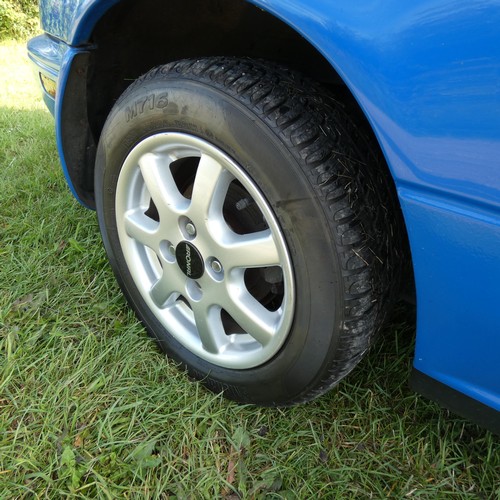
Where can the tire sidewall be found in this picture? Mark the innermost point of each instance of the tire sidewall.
(183, 105)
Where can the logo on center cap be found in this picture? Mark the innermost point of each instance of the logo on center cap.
(189, 260)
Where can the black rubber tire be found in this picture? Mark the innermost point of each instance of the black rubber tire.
(323, 180)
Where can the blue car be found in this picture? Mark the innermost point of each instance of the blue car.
(270, 176)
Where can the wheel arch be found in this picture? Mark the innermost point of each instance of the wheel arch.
(122, 40)
(117, 41)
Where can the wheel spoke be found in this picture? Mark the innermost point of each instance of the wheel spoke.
(142, 228)
(252, 316)
(210, 188)
(209, 324)
(155, 170)
(167, 288)
(250, 250)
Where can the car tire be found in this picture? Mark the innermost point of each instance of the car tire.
(248, 221)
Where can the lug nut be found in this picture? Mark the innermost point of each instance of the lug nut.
(216, 266)
(190, 229)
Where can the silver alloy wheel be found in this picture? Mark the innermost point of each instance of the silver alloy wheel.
(205, 250)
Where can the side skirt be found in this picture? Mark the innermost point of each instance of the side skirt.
(455, 401)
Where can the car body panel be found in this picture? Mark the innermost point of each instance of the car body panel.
(427, 76)
(53, 58)
(47, 54)
(73, 20)
(457, 263)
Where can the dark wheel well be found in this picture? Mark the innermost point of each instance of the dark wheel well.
(134, 37)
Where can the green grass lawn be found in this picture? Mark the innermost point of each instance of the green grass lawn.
(90, 408)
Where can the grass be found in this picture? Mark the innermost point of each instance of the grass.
(18, 18)
(91, 409)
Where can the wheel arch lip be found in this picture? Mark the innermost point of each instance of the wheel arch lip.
(64, 74)
(82, 17)
(54, 59)
(73, 36)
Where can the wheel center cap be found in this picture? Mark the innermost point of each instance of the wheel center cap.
(189, 260)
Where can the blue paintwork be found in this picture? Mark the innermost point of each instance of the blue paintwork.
(47, 54)
(53, 58)
(427, 75)
(73, 20)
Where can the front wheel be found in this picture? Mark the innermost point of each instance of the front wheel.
(243, 216)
